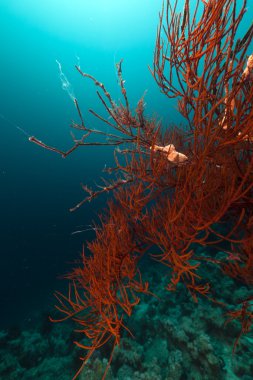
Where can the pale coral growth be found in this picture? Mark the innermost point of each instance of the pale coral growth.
(177, 157)
(166, 149)
(248, 71)
(172, 154)
(249, 67)
(246, 137)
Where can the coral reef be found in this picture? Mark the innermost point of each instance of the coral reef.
(181, 197)
(176, 339)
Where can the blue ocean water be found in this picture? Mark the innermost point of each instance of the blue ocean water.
(37, 187)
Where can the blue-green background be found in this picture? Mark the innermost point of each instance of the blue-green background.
(37, 187)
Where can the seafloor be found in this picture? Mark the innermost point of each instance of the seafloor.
(174, 339)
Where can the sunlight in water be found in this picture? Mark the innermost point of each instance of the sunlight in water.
(96, 22)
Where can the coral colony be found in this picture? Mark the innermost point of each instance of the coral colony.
(174, 190)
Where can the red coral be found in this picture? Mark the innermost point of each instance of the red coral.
(200, 196)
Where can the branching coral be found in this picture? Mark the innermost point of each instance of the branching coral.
(173, 190)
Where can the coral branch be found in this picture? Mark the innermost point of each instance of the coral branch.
(177, 190)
